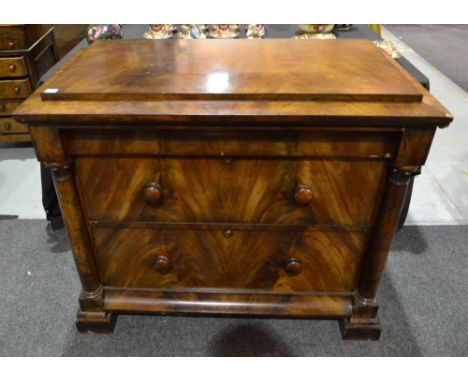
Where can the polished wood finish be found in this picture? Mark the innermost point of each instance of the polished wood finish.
(7, 107)
(10, 126)
(248, 259)
(15, 88)
(26, 52)
(12, 67)
(228, 75)
(213, 187)
(238, 191)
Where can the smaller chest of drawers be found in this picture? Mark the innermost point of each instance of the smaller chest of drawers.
(26, 52)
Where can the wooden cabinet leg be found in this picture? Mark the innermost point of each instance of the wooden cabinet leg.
(364, 323)
(95, 322)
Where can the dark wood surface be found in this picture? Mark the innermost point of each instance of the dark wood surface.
(242, 207)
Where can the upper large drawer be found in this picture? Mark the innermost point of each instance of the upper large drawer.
(256, 191)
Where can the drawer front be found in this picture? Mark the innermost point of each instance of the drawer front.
(12, 67)
(15, 88)
(307, 261)
(10, 126)
(12, 38)
(315, 142)
(229, 191)
(7, 107)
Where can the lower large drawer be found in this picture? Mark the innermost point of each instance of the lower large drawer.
(274, 261)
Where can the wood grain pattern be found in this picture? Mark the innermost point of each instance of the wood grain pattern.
(249, 260)
(229, 190)
(10, 126)
(15, 88)
(12, 67)
(215, 70)
(7, 107)
(233, 141)
(259, 204)
(20, 37)
(313, 305)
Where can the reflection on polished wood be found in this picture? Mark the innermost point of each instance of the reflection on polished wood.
(258, 180)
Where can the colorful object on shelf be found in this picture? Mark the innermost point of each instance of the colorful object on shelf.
(255, 31)
(388, 47)
(315, 36)
(192, 31)
(159, 31)
(316, 28)
(342, 27)
(103, 32)
(184, 32)
(224, 31)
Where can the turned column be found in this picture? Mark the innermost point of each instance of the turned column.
(364, 323)
(78, 234)
(91, 316)
(386, 225)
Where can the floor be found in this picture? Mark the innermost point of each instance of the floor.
(439, 197)
(423, 307)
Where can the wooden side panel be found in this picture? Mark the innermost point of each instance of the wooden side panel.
(237, 191)
(250, 260)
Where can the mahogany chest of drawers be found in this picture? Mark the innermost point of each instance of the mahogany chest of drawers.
(26, 52)
(232, 177)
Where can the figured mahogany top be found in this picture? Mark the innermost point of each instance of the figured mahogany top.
(234, 70)
(338, 82)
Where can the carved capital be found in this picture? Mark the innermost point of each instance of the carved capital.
(61, 173)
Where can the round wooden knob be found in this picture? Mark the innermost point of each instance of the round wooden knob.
(293, 266)
(7, 126)
(303, 196)
(152, 194)
(17, 90)
(12, 68)
(11, 44)
(2, 107)
(162, 264)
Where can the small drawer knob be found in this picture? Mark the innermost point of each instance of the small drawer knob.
(293, 266)
(7, 126)
(162, 264)
(2, 107)
(152, 194)
(303, 196)
(11, 44)
(17, 90)
(12, 68)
